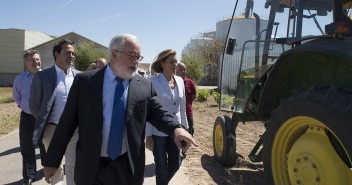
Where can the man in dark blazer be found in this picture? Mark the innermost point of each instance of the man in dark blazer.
(47, 100)
(89, 107)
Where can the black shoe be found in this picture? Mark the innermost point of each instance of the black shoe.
(27, 181)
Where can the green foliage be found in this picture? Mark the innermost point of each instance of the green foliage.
(216, 97)
(6, 95)
(202, 94)
(87, 53)
(194, 67)
(226, 101)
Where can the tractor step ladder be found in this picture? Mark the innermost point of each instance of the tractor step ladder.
(256, 153)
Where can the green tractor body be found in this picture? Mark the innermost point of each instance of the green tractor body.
(295, 76)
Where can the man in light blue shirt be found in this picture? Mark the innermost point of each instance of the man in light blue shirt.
(21, 92)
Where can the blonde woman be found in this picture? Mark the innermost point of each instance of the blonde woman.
(171, 93)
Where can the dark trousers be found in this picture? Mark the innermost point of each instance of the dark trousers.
(29, 167)
(190, 125)
(167, 159)
(113, 172)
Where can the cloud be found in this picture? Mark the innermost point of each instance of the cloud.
(106, 18)
(60, 9)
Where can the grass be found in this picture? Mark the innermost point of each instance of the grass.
(8, 121)
(6, 95)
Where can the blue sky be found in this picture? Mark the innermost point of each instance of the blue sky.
(159, 24)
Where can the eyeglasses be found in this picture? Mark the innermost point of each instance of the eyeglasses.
(131, 56)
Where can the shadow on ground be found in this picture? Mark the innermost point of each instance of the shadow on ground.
(10, 151)
(252, 175)
(39, 176)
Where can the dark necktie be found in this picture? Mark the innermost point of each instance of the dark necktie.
(117, 122)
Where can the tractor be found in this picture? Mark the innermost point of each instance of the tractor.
(295, 77)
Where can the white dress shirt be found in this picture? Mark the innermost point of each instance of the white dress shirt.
(63, 85)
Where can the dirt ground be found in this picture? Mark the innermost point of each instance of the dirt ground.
(200, 163)
(9, 117)
(8, 109)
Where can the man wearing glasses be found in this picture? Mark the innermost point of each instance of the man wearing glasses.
(111, 106)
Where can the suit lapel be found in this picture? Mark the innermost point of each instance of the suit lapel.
(133, 96)
(179, 89)
(165, 85)
(95, 88)
(52, 78)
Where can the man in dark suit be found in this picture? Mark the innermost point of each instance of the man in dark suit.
(48, 97)
(91, 107)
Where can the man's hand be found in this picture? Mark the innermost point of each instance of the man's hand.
(149, 143)
(48, 173)
(183, 139)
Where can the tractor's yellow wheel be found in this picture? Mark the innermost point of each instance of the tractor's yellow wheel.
(218, 140)
(224, 141)
(308, 140)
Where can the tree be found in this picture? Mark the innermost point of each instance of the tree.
(207, 49)
(202, 51)
(194, 68)
(87, 53)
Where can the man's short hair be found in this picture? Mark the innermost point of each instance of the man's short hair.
(58, 46)
(29, 52)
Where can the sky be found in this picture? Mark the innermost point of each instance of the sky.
(158, 24)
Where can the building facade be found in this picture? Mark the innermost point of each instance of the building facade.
(12, 44)
(46, 49)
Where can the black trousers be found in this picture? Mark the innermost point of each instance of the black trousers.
(29, 167)
(113, 172)
(190, 125)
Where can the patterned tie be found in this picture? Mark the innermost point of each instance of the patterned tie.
(117, 122)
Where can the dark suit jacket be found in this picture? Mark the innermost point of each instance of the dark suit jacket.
(42, 98)
(84, 110)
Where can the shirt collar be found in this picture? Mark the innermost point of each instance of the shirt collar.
(27, 73)
(111, 75)
(59, 70)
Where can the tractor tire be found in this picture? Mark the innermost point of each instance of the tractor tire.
(224, 141)
(308, 139)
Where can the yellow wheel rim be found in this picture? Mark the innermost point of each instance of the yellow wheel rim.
(219, 142)
(303, 154)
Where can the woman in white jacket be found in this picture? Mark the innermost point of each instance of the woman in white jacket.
(171, 92)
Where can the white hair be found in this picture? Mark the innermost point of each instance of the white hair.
(118, 41)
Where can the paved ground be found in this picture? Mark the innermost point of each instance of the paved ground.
(11, 165)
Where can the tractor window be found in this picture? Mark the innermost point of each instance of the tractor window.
(247, 58)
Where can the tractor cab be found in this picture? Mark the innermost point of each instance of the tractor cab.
(258, 36)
